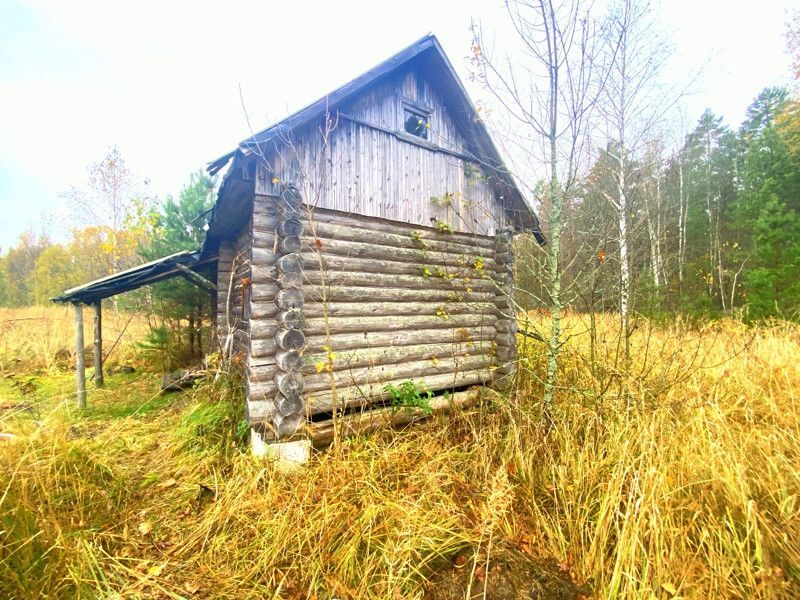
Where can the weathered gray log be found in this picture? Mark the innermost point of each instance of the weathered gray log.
(290, 280)
(336, 325)
(258, 389)
(398, 239)
(180, 380)
(265, 205)
(80, 366)
(291, 263)
(351, 341)
(316, 293)
(289, 299)
(377, 419)
(260, 411)
(265, 225)
(290, 339)
(319, 402)
(289, 360)
(263, 348)
(263, 329)
(362, 357)
(263, 256)
(289, 245)
(289, 383)
(290, 319)
(263, 309)
(386, 309)
(365, 250)
(286, 426)
(98, 344)
(292, 198)
(412, 282)
(379, 375)
(506, 340)
(291, 227)
(263, 274)
(318, 215)
(332, 262)
(289, 404)
(262, 292)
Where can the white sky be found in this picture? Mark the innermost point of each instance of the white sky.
(161, 79)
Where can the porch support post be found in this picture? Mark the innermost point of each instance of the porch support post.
(98, 344)
(80, 366)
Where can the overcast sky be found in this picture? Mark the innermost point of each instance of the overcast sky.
(162, 80)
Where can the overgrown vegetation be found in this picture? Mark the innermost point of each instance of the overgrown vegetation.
(675, 478)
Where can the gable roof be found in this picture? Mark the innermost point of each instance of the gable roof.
(479, 143)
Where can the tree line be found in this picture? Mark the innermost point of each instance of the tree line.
(118, 225)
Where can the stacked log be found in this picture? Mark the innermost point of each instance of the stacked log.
(289, 339)
(263, 313)
(506, 325)
(386, 303)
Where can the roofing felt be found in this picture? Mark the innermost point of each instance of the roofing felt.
(124, 281)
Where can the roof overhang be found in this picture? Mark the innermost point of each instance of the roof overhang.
(164, 268)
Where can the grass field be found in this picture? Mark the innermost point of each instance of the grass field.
(675, 476)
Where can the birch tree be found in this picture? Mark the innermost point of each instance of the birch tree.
(632, 104)
(548, 96)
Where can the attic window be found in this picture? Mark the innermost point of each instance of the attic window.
(416, 122)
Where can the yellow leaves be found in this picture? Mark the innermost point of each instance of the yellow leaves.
(435, 360)
(426, 272)
(155, 570)
(669, 588)
(275, 180)
(323, 366)
(145, 527)
(191, 587)
(168, 483)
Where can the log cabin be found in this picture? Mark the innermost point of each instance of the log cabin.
(361, 252)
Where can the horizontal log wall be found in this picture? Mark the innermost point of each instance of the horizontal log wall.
(233, 292)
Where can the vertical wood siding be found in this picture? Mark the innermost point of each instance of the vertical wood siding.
(362, 167)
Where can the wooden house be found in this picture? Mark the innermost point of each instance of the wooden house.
(361, 244)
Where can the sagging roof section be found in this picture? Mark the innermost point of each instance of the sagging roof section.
(481, 145)
(130, 279)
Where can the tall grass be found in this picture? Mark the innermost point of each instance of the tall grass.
(676, 476)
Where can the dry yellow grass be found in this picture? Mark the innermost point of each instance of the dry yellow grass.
(676, 476)
(30, 337)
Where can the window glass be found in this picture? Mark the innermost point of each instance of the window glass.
(417, 123)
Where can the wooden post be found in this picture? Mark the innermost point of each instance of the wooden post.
(98, 344)
(80, 367)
